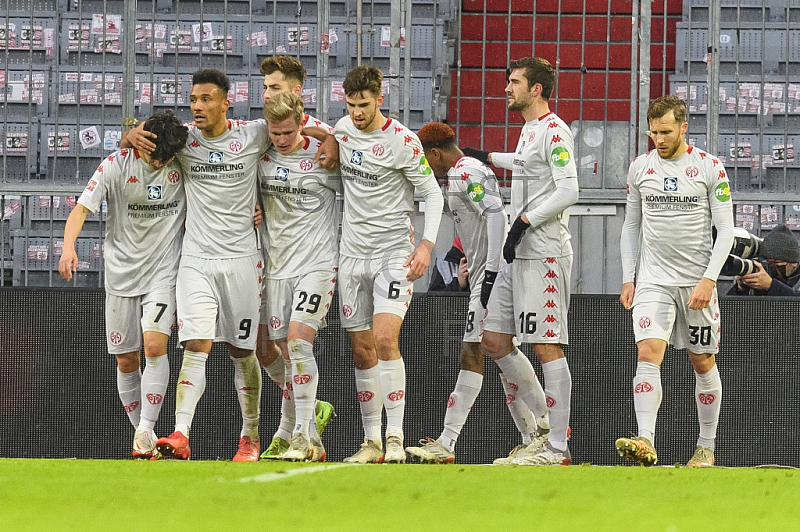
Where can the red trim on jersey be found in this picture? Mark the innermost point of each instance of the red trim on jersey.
(306, 118)
(136, 153)
(305, 146)
(545, 115)
(386, 125)
(689, 149)
(456, 161)
(230, 125)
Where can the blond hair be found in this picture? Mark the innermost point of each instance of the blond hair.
(282, 106)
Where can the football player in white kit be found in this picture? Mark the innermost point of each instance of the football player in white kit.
(481, 223)
(676, 192)
(146, 210)
(283, 73)
(301, 243)
(530, 300)
(381, 164)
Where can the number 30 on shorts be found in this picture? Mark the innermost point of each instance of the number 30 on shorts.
(701, 335)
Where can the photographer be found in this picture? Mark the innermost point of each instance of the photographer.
(777, 274)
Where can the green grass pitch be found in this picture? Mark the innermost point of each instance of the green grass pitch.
(89, 495)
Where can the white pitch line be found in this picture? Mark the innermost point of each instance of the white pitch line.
(269, 477)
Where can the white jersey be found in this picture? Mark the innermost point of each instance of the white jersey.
(310, 121)
(221, 190)
(380, 170)
(472, 193)
(300, 212)
(545, 153)
(144, 229)
(676, 198)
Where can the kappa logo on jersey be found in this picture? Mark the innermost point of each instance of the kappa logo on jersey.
(132, 179)
(723, 192)
(424, 167)
(531, 136)
(650, 171)
(556, 138)
(692, 172)
(356, 158)
(378, 149)
(306, 165)
(215, 157)
(194, 144)
(154, 193)
(550, 304)
(560, 156)
(91, 185)
(281, 173)
(670, 184)
(476, 192)
(235, 146)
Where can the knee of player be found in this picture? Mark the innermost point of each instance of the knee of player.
(128, 362)
(155, 347)
(493, 345)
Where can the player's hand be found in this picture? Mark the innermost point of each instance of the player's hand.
(482, 156)
(486, 287)
(139, 138)
(257, 216)
(68, 262)
(512, 240)
(328, 154)
(463, 273)
(759, 279)
(418, 261)
(626, 296)
(701, 295)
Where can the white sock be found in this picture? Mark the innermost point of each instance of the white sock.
(130, 393)
(708, 396)
(370, 402)
(523, 418)
(154, 386)
(647, 398)
(276, 372)
(191, 385)
(393, 387)
(558, 389)
(286, 425)
(305, 380)
(519, 372)
(468, 386)
(247, 377)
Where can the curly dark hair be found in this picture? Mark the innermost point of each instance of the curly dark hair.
(213, 76)
(537, 70)
(172, 135)
(290, 67)
(363, 78)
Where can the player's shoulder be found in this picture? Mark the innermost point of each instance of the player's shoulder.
(397, 134)
(311, 121)
(471, 166)
(552, 121)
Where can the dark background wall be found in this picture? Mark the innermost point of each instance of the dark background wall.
(58, 393)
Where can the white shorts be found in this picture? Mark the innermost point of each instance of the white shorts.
(475, 314)
(304, 299)
(219, 299)
(662, 312)
(127, 318)
(373, 286)
(530, 299)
